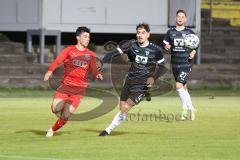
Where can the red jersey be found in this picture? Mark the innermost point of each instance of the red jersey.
(77, 64)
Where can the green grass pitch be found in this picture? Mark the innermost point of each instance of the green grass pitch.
(215, 134)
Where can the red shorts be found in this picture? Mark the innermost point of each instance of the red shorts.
(70, 94)
(74, 100)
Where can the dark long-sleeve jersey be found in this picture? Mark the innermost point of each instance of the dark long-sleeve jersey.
(144, 61)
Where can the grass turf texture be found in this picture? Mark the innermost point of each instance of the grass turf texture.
(215, 134)
(45, 92)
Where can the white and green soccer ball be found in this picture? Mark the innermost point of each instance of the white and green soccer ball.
(191, 41)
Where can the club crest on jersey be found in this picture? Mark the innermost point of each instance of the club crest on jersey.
(147, 52)
(87, 56)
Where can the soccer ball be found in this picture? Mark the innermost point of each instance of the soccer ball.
(191, 41)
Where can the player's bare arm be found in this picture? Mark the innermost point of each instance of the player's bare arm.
(55, 64)
(47, 75)
(192, 54)
(110, 55)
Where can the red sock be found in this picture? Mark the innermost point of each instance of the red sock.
(59, 123)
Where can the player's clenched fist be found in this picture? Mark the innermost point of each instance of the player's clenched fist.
(150, 82)
(167, 46)
(99, 76)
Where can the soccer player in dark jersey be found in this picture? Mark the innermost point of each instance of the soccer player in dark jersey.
(181, 61)
(78, 61)
(145, 58)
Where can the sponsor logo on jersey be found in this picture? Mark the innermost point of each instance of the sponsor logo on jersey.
(80, 63)
(178, 42)
(141, 59)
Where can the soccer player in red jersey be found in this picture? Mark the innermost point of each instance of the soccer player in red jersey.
(78, 62)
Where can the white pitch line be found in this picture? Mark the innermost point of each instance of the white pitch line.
(31, 158)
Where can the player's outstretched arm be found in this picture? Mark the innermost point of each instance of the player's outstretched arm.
(124, 47)
(96, 67)
(62, 56)
(108, 57)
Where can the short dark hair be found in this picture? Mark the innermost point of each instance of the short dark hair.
(81, 30)
(181, 11)
(143, 25)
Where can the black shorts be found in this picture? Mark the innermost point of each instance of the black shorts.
(136, 92)
(181, 74)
